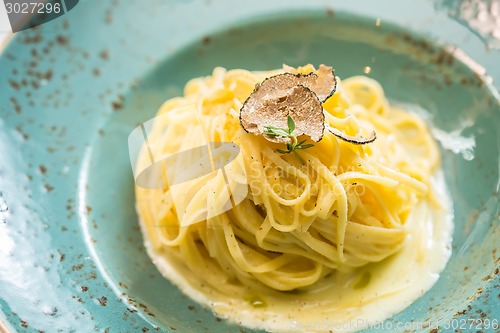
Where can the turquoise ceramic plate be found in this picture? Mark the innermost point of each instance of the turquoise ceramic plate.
(71, 90)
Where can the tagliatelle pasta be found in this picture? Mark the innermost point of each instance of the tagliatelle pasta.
(313, 231)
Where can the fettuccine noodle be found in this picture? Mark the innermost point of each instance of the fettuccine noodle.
(306, 221)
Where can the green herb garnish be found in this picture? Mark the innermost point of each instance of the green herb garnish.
(287, 133)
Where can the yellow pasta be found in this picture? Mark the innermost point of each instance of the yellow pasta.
(337, 208)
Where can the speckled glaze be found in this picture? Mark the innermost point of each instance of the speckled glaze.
(71, 254)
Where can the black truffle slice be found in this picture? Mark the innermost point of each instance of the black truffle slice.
(277, 98)
(357, 140)
(305, 109)
(290, 94)
(321, 81)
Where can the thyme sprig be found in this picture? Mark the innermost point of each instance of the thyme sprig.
(293, 146)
